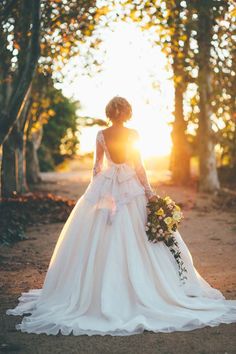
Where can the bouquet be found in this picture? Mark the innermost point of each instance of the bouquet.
(163, 217)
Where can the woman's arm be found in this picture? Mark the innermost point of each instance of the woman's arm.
(141, 172)
(98, 156)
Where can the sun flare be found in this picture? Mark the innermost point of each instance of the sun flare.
(137, 70)
(154, 142)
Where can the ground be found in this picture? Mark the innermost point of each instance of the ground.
(209, 232)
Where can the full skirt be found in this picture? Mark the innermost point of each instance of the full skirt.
(107, 278)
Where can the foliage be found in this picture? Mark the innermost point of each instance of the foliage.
(59, 134)
(38, 208)
(178, 29)
(63, 25)
(37, 32)
(224, 88)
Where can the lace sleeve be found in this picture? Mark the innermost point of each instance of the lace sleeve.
(140, 170)
(98, 156)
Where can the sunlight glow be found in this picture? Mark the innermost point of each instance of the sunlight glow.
(136, 70)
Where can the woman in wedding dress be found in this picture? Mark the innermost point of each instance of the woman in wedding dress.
(104, 276)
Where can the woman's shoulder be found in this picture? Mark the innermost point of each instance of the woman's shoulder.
(134, 134)
(104, 130)
(99, 136)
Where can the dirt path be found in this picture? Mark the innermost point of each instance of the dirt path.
(210, 236)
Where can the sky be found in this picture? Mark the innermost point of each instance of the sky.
(132, 68)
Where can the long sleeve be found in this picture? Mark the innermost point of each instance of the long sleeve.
(98, 156)
(141, 172)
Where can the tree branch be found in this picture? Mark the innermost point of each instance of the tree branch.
(18, 97)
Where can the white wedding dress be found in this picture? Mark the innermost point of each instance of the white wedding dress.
(105, 277)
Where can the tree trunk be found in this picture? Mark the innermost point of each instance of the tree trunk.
(22, 186)
(21, 164)
(180, 155)
(8, 168)
(33, 172)
(208, 181)
(32, 162)
(14, 179)
(9, 115)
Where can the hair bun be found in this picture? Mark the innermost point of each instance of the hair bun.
(118, 108)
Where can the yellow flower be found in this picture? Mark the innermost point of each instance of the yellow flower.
(168, 200)
(171, 225)
(159, 212)
(177, 208)
(168, 220)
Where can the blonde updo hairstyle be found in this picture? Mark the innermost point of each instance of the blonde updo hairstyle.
(118, 109)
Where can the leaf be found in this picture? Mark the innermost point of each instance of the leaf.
(16, 45)
(232, 13)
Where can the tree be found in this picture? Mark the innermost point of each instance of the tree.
(179, 26)
(187, 30)
(173, 24)
(208, 17)
(54, 26)
(21, 23)
(209, 181)
(223, 65)
(63, 25)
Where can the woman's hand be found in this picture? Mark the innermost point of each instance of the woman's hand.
(153, 198)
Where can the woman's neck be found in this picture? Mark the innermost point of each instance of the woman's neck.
(118, 124)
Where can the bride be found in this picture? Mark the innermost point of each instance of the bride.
(104, 276)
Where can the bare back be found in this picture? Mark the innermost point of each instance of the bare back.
(118, 142)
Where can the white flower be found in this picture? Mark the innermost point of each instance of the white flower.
(177, 215)
(154, 229)
(148, 223)
(146, 228)
(161, 231)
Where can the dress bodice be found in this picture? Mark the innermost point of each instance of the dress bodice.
(134, 163)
